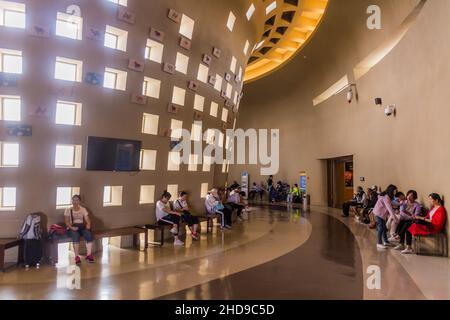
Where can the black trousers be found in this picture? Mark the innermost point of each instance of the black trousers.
(226, 218)
(402, 231)
(346, 207)
(238, 208)
(189, 219)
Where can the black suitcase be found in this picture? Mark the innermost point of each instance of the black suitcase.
(32, 252)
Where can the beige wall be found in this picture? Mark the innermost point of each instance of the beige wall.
(409, 150)
(109, 113)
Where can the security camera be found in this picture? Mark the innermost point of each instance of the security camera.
(390, 110)
(350, 95)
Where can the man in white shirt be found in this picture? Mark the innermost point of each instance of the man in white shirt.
(165, 216)
(234, 201)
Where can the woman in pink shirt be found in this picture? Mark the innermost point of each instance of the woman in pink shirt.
(382, 211)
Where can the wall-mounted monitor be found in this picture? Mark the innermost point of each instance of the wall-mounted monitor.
(108, 154)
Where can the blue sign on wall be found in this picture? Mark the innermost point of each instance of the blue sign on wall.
(303, 182)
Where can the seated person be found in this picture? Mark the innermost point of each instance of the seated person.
(234, 185)
(234, 201)
(181, 206)
(79, 225)
(255, 189)
(262, 190)
(166, 217)
(393, 221)
(433, 223)
(289, 197)
(214, 206)
(369, 204)
(358, 200)
(409, 209)
(296, 194)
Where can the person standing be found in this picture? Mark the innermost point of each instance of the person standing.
(382, 211)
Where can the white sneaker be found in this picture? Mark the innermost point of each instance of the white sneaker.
(381, 246)
(394, 238)
(388, 245)
(400, 247)
(407, 251)
(178, 242)
(174, 230)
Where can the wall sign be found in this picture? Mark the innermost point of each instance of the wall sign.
(185, 43)
(136, 65)
(172, 108)
(8, 80)
(156, 35)
(198, 115)
(165, 132)
(206, 59)
(193, 85)
(138, 99)
(20, 131)
(93, 78)
(174, 16)
(212, 80)
(39, 31)
(169, 68)
(126, 16)
(216, 52)
(94, 34)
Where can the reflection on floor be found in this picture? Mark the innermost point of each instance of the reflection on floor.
(278, 254)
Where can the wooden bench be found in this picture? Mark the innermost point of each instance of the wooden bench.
(161, 228)
(100, 234)
(442, 244)
(8, 244)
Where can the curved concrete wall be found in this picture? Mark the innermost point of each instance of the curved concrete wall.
(409, 150)
(110, 113)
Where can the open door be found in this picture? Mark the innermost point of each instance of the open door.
(339, 180)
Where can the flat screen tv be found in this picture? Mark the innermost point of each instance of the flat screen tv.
(108, 154)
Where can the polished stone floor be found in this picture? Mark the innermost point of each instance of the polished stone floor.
(279, 253)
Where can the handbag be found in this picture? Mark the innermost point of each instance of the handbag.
(219, 207)
(76, 225)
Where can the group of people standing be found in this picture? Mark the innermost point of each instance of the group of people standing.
(399, 214)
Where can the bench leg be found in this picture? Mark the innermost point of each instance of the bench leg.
(162, 236)
(146, 239)
(2, 259)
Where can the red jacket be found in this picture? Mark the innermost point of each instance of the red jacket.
(436, 225)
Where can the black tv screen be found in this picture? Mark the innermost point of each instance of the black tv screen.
(108, 154)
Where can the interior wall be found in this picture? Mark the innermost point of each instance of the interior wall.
(109, 113)
(408, 150)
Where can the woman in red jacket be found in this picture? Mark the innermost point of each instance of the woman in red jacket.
(433, 223)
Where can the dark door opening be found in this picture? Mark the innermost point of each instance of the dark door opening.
(339, 180)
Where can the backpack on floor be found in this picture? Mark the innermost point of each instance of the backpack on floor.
(31, 228)
(32, 252)
(31, 234)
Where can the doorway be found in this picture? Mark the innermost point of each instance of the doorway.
(339, 181)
